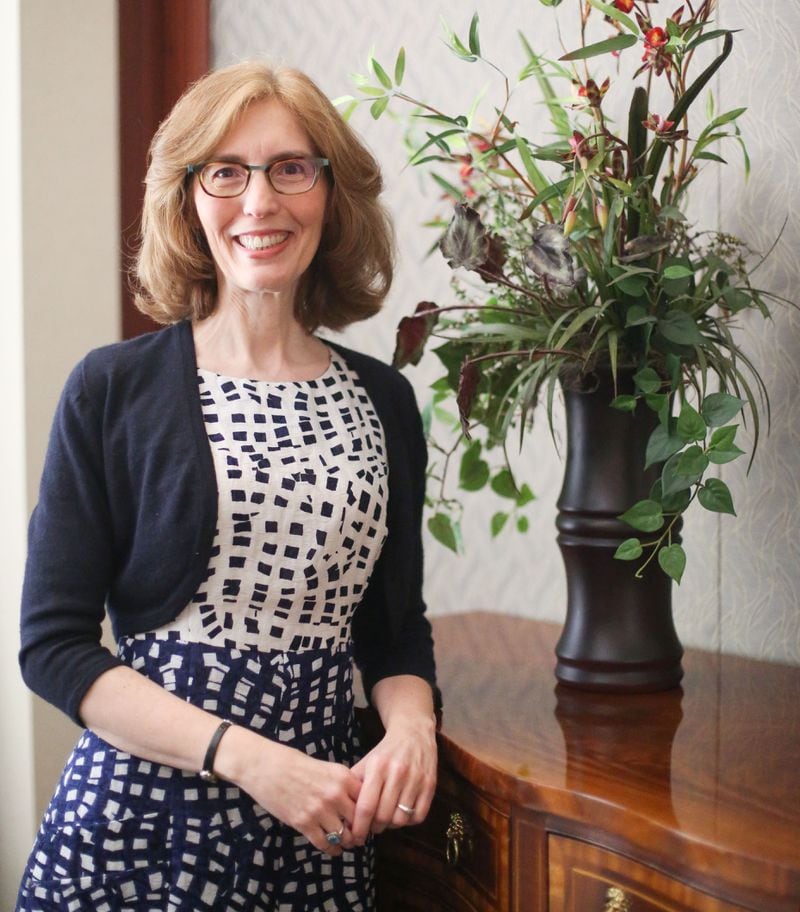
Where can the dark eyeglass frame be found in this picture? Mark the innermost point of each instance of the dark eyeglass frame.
(318, 163)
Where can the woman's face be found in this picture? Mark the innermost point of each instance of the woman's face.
(262, 241)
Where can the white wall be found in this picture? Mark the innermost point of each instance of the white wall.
(742, 586)
(60, 270)
(16, 746)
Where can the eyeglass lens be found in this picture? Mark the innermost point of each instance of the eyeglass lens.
(293, 175)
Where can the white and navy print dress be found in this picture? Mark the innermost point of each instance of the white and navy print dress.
(265, 642)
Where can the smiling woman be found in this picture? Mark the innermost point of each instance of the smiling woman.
(246, 500)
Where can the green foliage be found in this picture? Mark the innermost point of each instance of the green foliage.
(585, 261)
(686, 448)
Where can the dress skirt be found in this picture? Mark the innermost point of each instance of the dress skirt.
(122, 833)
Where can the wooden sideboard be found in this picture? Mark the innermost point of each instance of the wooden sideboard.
(557, 800)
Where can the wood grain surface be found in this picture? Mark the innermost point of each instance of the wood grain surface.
(702, 783)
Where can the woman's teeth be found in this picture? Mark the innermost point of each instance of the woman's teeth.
(262, 241)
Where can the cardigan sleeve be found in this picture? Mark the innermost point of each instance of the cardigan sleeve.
(380, 651)
(70, 559)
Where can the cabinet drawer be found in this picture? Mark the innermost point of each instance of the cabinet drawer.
(587, 878)
(415, 872)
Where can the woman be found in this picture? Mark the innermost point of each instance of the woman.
(246, 500)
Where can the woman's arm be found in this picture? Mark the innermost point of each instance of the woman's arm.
(138, 716)
(401, 768)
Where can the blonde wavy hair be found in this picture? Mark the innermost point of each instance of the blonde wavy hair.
(174, 275)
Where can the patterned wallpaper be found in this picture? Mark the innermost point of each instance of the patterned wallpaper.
(741, 591)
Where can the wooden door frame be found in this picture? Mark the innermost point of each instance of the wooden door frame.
(164, 45)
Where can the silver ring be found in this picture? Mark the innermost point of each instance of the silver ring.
(405, 809)
(335, 838)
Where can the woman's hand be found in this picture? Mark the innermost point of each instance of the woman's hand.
(401, 768)
(313, 796)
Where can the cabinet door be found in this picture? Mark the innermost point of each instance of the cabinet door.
(417, 872)
(587, 878)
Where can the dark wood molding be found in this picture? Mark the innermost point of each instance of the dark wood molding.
(162, 48)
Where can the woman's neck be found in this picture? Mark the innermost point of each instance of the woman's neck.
(258, 340)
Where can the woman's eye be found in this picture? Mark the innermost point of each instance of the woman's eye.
(222, 173)
(293, 168)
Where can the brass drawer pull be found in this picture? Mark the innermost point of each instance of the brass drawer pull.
(616, 901)
(459, 838)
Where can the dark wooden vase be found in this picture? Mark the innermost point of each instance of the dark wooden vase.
(619, 634)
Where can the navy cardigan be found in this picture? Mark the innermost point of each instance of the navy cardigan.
(128, 508)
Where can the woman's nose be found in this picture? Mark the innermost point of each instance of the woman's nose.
(260, 197)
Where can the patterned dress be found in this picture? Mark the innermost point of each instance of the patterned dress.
(265, 642)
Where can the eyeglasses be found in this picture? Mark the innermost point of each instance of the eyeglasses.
(288, 176)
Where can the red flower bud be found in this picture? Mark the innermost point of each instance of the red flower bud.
(569, 222)
(624, 6)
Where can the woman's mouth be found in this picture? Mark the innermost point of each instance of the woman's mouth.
(261, 241)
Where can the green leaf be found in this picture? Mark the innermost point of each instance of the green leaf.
(719, 408)
(383, 76)
(536, 177)
(676, 503)
(633, 285)
(523, 524)
(630, 549)
(681, 283)
(474, 472)
(722, 449)
(637, 316)
(659, 403)
(624, 403)
(400, 66)
(441, 528)
(474, 40)
(456, 45)
(693, 461)
(525, 496)
(691, 425)
(720, 457)
(618, 43)
(503, 484)
(710, 156)
(715, 495)
(427, 418)
(498, 521)
(613, 13)
(677, 272)
(672, 560)
(724, 119)
(723, 437)
(677, 326)
(736, 299)
(661, 446)
(378, 106)
(646, 516)
(671, 481)
(372, 90)
(647, 380)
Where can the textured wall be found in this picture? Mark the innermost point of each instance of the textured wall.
(740, 591)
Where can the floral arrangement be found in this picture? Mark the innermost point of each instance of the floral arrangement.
(576, 256)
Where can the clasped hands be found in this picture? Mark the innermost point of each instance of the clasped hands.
(324, 800)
